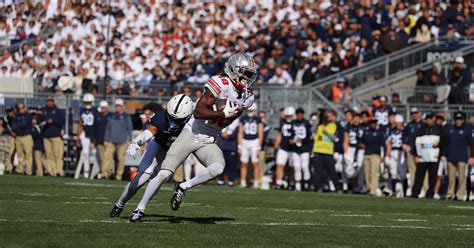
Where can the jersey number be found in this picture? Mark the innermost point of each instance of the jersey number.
(251, 128)
(87, 119)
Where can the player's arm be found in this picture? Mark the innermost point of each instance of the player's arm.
(277, 140)
(388, 148)
(204, 110)
(260, 134)
(141, 139)
(345, 142)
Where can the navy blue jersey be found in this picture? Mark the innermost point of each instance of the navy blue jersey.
(88, 117)
(382, 116)
(287, 134)
(395, 138)
(302, 132)
(165, 135)
(355, 134)
(250, 125)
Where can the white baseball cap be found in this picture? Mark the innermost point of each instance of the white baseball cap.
(103, 104)
(119, 101)
(459, 59)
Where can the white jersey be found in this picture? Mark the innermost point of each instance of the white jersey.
(221, 88)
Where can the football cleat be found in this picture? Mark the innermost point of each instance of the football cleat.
(115, 212)
(136, 217)
(177, 197)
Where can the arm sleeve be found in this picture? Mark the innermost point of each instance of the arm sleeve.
(129, 127)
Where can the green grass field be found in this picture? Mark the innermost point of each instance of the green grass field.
(62, 212)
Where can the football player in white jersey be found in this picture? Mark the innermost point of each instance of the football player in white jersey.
(202, 130)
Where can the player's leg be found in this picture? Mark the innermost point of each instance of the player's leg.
(244, 160)
(177, 153)
(212, 157)
(188, 167)
(393, 169)
(148, 161)
(256, 165)
(85, 144)
(305, 168)
(297, 168)
(21, 155)
(281, 159)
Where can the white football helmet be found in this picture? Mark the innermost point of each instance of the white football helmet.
(88, 99)
(252, 108)
(289, 111)
(242, 70)
(179, 109)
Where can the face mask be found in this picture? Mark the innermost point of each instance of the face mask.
(251, 114)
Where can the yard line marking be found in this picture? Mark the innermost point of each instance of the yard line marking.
(103, 202)
(463, 225)
(461, 207)
(89, 198)
(401, 213)
(408, 220)
(352, 215)
(35, 194)
(98, 221)
(325, 224)
(464, 229)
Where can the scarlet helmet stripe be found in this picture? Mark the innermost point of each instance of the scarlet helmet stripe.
(214, 86)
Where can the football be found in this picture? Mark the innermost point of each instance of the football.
(219, 105)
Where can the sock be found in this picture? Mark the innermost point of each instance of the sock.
(153, 187)
(187, 171)
(279, 182)
(211, 171)
(132, 188)
(255, 184)
(243, 183)
(298, 186)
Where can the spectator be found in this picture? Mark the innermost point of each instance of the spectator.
(341, 91)
(10, 137)
(38, 147)
(373, 141)
(229, 148)
(392, 41)
(22, 126)
(430, 148)
(53, 130)
(117, 135)
(281, 77)
(100, 125)
(323, 150)
(457, 147)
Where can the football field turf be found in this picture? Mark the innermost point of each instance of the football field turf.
(62, 212)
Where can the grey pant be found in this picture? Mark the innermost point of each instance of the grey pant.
(186, 144)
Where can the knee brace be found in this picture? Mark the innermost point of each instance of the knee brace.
(216, 169)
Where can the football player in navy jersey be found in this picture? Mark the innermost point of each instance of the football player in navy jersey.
(382, 113)
(302, 149)
(395, 157)
(353, 153)
(250, 140)
(163, 128)
(284, 142)
(85, 131)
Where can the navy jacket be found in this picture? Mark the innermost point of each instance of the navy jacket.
(409, 135)
(58, 116)
(6, 124)
(374, 140)
(37, 138)
(471, 140)
(21, 124)
(458, 140)
(230, 144)
(100, 124)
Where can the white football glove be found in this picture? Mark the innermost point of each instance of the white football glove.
(247, 100)
(205, 139)
(132, 149)
(230, 111)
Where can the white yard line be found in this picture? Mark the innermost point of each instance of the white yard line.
(408, 220)
(461, 207)
(352, 215)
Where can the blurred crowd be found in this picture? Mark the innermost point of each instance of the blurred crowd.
(293, 42)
